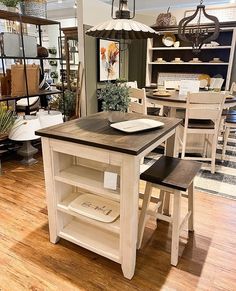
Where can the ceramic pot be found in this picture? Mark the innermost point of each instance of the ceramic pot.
(116, 116)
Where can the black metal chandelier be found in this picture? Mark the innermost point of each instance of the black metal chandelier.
(122, 26)
(196, 33)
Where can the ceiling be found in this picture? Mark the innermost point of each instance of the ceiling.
(142, 5)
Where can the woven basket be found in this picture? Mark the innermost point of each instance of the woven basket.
(36, 8)
(166, 19)
(3, 136)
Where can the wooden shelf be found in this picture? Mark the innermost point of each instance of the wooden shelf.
(63, 206)
(187, 48)
(40, 93)
(92, 238)
(30, 58)
(189, 63)
(26, 19)
(88, 179)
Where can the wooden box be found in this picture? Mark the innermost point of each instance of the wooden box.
(18, 82)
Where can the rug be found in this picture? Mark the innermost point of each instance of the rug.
(223, 182)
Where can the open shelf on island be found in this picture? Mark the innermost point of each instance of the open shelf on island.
(63, 206)
(91, 237)
(88, 179)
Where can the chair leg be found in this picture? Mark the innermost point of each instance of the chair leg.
(226, 136)
(143, 214)
(184, 145)
(191, 207)
(205, 146)
(175, 229)
(213, 153)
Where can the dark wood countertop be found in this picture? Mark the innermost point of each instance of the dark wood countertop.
(95, 131)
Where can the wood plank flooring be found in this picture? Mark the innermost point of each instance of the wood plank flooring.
(28, 261)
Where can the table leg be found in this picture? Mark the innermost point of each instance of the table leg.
(129, 214)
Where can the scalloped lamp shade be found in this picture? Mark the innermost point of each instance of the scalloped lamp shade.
(122, 29)
(24, 128)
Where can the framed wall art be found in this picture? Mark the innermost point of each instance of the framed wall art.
(108, 60)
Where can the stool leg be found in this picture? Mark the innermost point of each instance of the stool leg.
(166, 205)
(175, 228)
(161, 198)
(191, 207)
(143, 214)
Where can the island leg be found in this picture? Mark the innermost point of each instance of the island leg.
(129, 214)
(50, 190)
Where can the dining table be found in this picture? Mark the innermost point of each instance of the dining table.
(78, 155)
(174, 105)
(176, 101)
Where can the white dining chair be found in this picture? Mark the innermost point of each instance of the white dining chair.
(233, 88)
(203, 116)
(229, 125)
(138, 103)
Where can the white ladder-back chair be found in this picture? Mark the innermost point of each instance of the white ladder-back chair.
(138, 102)
(233, 88)
(203, 116)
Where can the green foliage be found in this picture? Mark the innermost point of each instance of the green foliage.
(58, 103)
(7, 120)
(115, 97)
(10, 3)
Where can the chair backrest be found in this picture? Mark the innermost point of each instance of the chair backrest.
(205, 106)
(138, 102)
(233, 88)
(133, 84)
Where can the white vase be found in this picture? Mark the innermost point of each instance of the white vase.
(116, 116)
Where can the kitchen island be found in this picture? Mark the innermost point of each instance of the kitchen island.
(76, 155)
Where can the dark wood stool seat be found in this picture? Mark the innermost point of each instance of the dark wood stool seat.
(171, 176)
(172, 172)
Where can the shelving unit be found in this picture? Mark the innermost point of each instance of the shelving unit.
(74, 176)
(21, 19)
(225, 51)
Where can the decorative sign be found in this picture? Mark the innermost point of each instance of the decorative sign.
(188, 86)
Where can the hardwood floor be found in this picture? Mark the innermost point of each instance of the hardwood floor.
(28, 261)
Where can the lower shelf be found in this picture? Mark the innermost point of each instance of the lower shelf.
(91, 237)
(63, 207)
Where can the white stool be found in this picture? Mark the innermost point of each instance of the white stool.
(171, 176)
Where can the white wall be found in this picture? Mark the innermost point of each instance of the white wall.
(149, 16)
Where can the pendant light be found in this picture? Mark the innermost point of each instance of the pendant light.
(197, 34)
(122, 26)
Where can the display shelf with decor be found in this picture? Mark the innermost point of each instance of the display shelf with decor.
(24, 54)
(215, 58)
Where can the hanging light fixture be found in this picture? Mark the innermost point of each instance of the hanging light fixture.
(197, 34)
(122, 26)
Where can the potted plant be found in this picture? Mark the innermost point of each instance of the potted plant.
(115, 100)
(11, 4)
(7, 120)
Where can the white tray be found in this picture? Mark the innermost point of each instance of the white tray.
(96, 207)
(136, 125)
